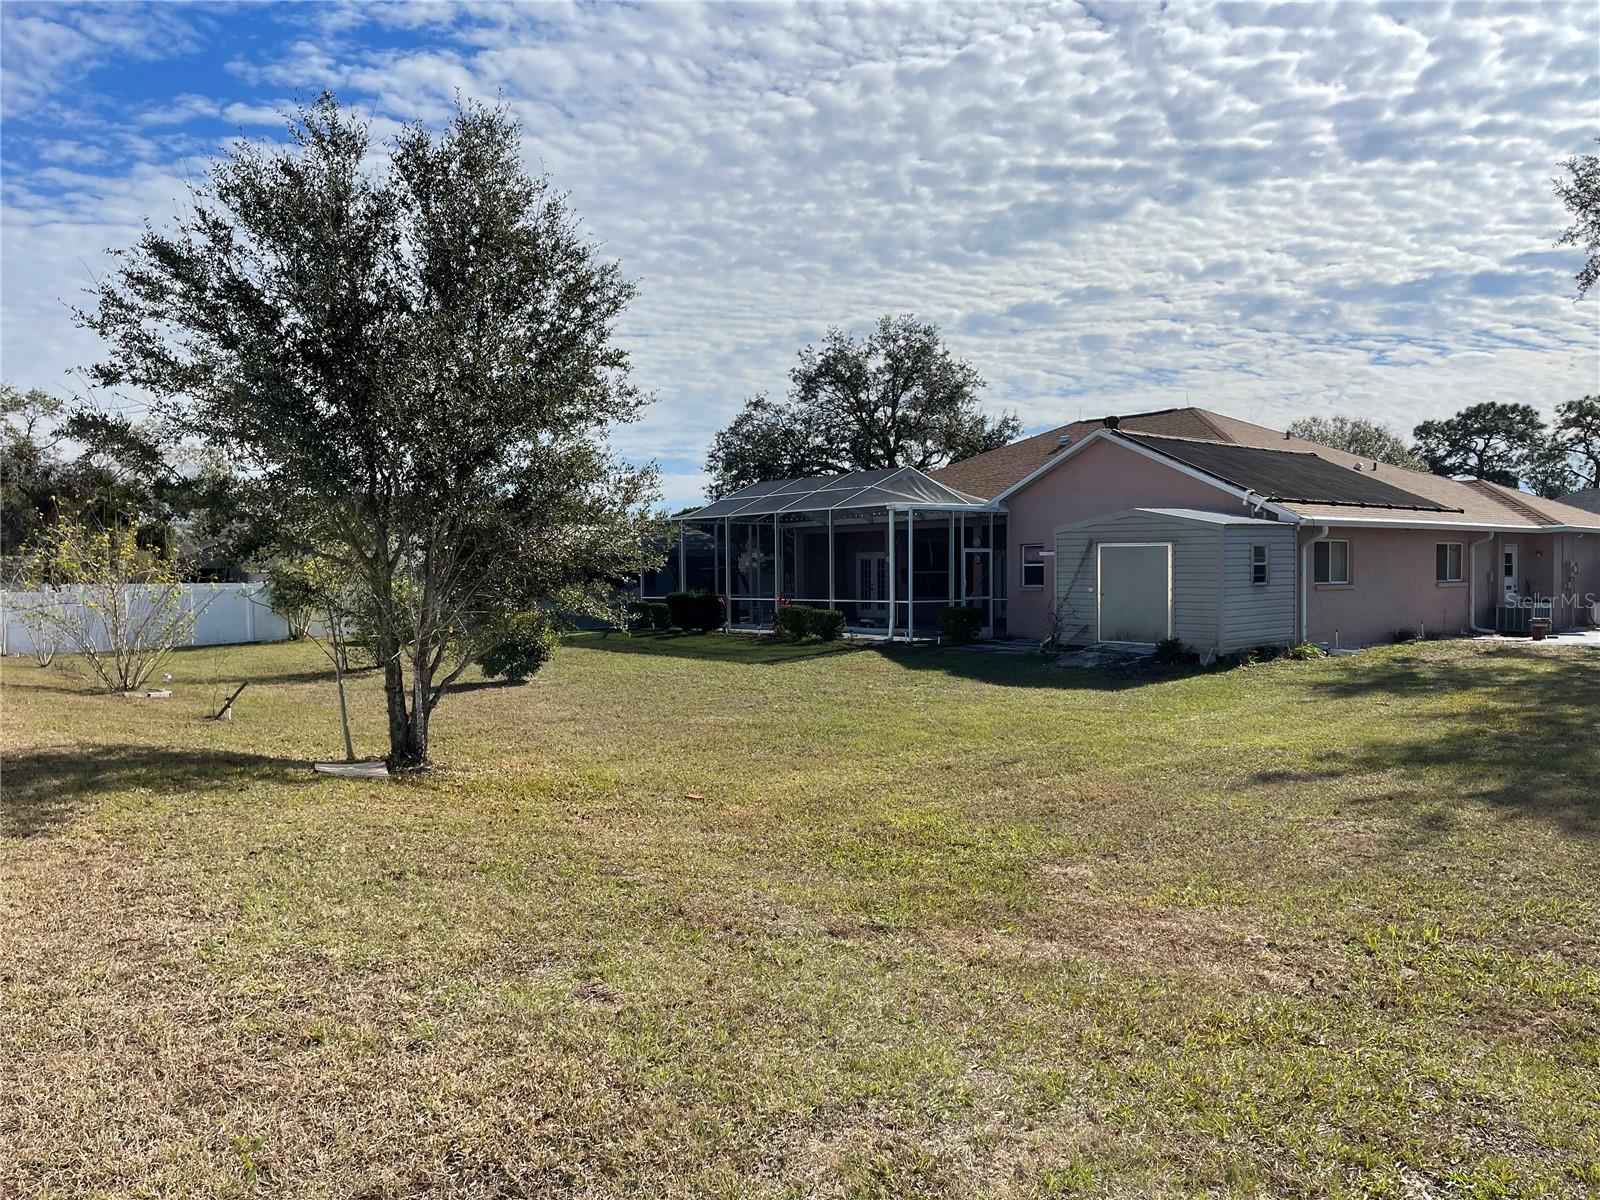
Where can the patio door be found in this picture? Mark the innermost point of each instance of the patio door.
(872, 586)
(1510, 574)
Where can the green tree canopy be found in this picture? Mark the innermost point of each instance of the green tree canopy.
(1579, 190)
(409, 349)
(1492, 441)
(1356, 435)
(895, 398)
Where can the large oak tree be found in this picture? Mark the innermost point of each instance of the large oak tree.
(894, 398)
(409, 351)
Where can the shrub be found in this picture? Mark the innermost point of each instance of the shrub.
(527, 641)
(1305, 651)
(129, 608)
(695, 610)
(649, 614)
(1401, 636)
(827, 624)
(792, 620)
(1171, 650)
(960, 623)
(801, 620)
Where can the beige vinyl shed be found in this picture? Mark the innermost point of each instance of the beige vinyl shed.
(1216, 581)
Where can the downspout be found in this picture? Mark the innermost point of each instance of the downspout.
(1305, 583)
(1472, 588)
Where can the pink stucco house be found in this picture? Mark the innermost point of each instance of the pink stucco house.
(1178, 523)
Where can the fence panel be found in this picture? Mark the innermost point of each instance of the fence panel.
(225, 614)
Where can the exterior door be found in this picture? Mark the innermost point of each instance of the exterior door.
(1510, 575)
(1135, 591)
(872, 586)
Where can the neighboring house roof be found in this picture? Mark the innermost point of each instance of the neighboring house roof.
(1454, 502)
(857, 489)
(1588, 499)
(1289, 477)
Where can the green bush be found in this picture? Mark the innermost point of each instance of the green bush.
(1171, 650)
(694, 610)
(649, 614)
(801, 620)
(1305, 651)
(960, 623)
(827, 624)
(527, 642)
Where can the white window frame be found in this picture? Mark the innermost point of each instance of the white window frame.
(1260, 561)
(1022, 557)
(1460, 557)
(1330, 581)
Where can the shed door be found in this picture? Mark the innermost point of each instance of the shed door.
(1135, 591)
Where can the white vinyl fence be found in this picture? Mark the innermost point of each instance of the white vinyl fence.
(225, 614)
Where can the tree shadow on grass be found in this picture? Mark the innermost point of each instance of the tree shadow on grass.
(45, 789)
(1520, 732)
(737, 649)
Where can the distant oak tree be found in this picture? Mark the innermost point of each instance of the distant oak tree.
(895, 398)
(1492, 441)
(409, 352)
(1356, 435)
(1579, 190)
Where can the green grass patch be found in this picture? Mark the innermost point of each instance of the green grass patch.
(706, 915)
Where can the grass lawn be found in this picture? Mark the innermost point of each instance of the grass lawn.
(706, 916)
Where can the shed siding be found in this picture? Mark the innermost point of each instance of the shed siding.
(1255, 615)
(1196, 574)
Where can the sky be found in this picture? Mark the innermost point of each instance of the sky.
(1270, 210)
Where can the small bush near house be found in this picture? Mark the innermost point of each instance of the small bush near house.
(1401, 636)
(828, 624)
(649, 614)
(1171, 651)
(801, 620)
(1304, 652)
(695, 610)
(526, 644)
(960, 623)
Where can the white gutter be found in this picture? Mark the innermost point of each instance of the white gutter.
(1305, 583)
(1472, 588)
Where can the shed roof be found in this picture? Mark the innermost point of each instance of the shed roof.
(897, 486)
(1199, 516)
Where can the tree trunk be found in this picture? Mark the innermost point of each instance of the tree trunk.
(404, 752)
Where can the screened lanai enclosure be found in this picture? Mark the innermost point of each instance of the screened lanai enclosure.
(890, 549)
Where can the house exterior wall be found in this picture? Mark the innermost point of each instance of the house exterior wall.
(1101, 479)
(1196, 574)
(1392, 586)
(1257, 614)
(1577, 584)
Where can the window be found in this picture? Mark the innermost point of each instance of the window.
(1033, 566)
(1259, 573)
(1330, 562)
(1447, 562)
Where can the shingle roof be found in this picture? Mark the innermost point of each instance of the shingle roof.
(1457, 502)
(1588, 500)
(993, 472)
(1286, 476)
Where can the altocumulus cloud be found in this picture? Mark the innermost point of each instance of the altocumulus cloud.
(1267, 209)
